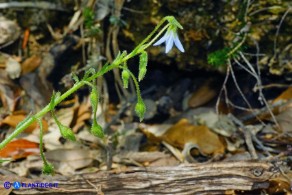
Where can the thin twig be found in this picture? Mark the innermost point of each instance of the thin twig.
(265, 149)
(252, 54)
(273, 85)
(248, 140)
(33, 4)
(265, 9)
(222, 89)
(244, 68)
(278, 29)
(97, 187)
(262, 111)
(247, 136)
(228, 101)
(261, 95)
(240, 91)
(237, 86)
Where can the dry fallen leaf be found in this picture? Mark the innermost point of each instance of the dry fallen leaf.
(65, 116)
(279, 185)
(183, 133)
(82, 113)
(285, 119)
(7, 98)
(66, 161)
(20, 148)
(13, 68)
(202, 95)
(30, 64)
(9, 31)
(14, 119)
(286, 95)
(8, 91)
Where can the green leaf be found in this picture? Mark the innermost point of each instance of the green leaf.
(53, 99)
(143, 65)
(75, 78)
(4, 160)
(90, 71)
(119, 57)
(88, 16)
(93, 31)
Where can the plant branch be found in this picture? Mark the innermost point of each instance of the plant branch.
(120, 59)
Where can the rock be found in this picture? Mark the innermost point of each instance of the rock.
(9, 32)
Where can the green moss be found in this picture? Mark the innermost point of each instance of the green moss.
(219, 57)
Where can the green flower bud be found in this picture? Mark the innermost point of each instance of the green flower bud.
(125, 78)
(66, 132)
(97, 130)
(140, 109)
(48, 169)
(143, 65)
(142, 73)
(94, 99)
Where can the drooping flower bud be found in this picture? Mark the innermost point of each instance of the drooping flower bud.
(143, 65)
(125, 78)
(140, 109)
(97, 130)
(66, 132)
(48, 169)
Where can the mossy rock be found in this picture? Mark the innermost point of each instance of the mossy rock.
(211, 25)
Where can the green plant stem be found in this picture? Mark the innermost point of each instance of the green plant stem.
(229, 54)
(136, 83)
(106, 68)
(41, 141)
(48, 108)
(94, 108)
(157, 36)
(151, 34)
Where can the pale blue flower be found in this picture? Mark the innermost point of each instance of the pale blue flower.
(169, 38)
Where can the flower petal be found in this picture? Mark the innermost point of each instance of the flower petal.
(161, 40)
(178, 44)
(169, 42)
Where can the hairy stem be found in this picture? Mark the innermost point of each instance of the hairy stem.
(147, 42)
